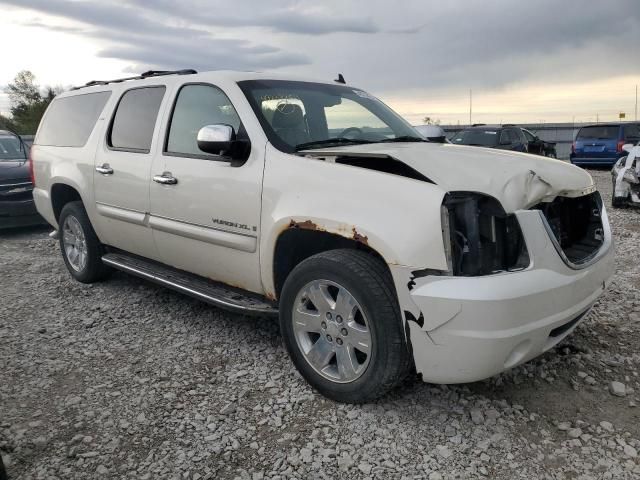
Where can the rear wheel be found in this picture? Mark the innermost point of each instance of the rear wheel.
(341, 326)
(81, 250)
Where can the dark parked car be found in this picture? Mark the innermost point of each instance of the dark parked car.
(538, 146)
(602, 144)
(16, 198)
(503, 137)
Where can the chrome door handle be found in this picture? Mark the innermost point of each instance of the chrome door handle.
(105, 169)
(165, 179)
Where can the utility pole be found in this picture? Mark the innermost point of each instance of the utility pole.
(470, 105)
(636, 103)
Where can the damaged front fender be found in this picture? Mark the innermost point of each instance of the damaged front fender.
(626, 182)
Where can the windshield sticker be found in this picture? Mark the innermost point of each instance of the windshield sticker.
(272, 97)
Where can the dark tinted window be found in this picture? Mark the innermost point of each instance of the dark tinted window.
(599, 131)
(11, 148)
(135, 119)
(529, 136)
(632, 132)
(197, 106)
(514, 135)
(483, 138)
(70, 120)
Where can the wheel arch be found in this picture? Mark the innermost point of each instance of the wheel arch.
(301, 240)
(61, 194)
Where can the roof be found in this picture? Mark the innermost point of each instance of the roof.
(610, 124)
(193, 76)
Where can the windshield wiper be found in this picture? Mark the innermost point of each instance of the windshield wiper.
(330, 141)
(402, 138)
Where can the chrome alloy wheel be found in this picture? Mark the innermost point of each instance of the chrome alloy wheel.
(74, 242)
(332, 331)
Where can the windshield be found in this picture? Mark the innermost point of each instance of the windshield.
(302, 115)
(11, 148)
(482, 138)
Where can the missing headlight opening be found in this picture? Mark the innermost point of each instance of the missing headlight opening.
(576, 225)
(481, 238)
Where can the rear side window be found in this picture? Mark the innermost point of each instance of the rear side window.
(632, 132)
(599, 132)
(515, 136)
(197, 106)
(135, 118)
(70, 120)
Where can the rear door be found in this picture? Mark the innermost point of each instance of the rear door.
(122, 171)
(207, 222)
(534, 144)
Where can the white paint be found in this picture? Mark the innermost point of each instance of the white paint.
(473, 328)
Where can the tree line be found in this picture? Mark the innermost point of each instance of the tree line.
(28, 103)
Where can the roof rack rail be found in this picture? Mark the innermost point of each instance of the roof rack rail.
(478, 125)
(148, 74)
(509, 125)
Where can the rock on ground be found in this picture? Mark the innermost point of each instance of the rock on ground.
(123, 379)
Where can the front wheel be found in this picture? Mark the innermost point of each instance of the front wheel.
(341, 325)
(617, 202)
(81, 250)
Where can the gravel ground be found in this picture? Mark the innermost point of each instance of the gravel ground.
(124, 379)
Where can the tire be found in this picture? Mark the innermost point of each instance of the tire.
(617, 202)
(3, 473)
(81, 250)
(339, 275)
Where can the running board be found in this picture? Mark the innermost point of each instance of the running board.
(214, 293)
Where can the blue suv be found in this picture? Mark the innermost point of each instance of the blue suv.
(602, 144)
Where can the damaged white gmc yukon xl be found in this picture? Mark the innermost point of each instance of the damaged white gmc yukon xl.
(379, 251)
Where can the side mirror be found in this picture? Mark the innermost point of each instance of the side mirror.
(215, 139)
(627, 147)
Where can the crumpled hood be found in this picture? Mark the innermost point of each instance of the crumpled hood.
(517, 180)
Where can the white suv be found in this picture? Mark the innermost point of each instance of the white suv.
(314, 201)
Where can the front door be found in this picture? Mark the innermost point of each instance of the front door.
(206, 218)
(121, 175)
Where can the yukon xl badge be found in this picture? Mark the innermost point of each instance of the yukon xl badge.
(242, 226)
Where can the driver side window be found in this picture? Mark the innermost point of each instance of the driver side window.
(197, 106)
(349, 114)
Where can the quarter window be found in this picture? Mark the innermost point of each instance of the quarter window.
(197, 106)
(135, 119)
(70, 120)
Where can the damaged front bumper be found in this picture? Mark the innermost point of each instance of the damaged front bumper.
(464, 329)
(626, 183)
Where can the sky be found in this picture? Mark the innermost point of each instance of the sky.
(527, 61)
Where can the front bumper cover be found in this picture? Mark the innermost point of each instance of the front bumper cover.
(471, 328)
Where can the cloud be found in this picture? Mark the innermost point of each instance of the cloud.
(279, 16)
(416, 47)
(157, 43)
